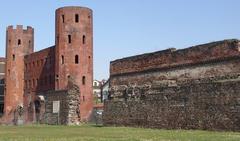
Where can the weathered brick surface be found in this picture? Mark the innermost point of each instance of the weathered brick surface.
(170, 58)
(79, 31)
(19, 43)
(69, 106)
(30, 73)
(212, 105)
(193, 88)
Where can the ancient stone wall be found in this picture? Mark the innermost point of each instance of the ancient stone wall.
(212, 104)
(192, 88)
(69, 113)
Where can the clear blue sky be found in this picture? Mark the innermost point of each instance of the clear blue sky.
(128, 27)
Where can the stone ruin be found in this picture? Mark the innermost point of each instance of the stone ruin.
(192, 88)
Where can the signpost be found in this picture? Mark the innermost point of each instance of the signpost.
(56, 108)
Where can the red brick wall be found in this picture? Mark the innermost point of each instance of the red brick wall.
(19, 42)
(39, 76)
(171, 58)
(66, 26)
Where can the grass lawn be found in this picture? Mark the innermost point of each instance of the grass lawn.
(93, 133)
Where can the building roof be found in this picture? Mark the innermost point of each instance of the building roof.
(2, 59)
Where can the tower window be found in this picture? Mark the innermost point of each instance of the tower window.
(62, 59)
(63, 18)
(76, 18)
(19, 42)
(13, 56)
(69, 39)
(76, 59)
(83, 80)
(29, 43)
(83, 98)
(84, 39)
(37, 82)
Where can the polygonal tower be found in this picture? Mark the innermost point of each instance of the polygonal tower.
(74, 53)
(19, 42)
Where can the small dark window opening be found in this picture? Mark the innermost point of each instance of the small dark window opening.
(83, 80)
(69, 39)
(63, 18)
(62, 59)
(37, 82)
(76, 18)
(29, 43)
(83, 98)
(57, 77)
(19, 42)
(13, 56)
(76, 59)
(8, 72)
(84, 39)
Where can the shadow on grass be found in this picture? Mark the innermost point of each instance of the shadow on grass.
(96, 125)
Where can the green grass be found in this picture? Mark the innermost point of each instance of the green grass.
(93, 133)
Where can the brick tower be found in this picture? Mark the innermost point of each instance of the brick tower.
(74, 53)
(19, 42)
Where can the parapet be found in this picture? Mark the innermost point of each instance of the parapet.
(20, 28)
(73, 8)
(171, 58)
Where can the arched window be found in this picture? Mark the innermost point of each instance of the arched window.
(63, 18)
(37, 81)
(62, 61)
(76, 59)
(83, 80)
(69, 39)
(76, 18)
(19, 42)
(84, 39)
(13, 56)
